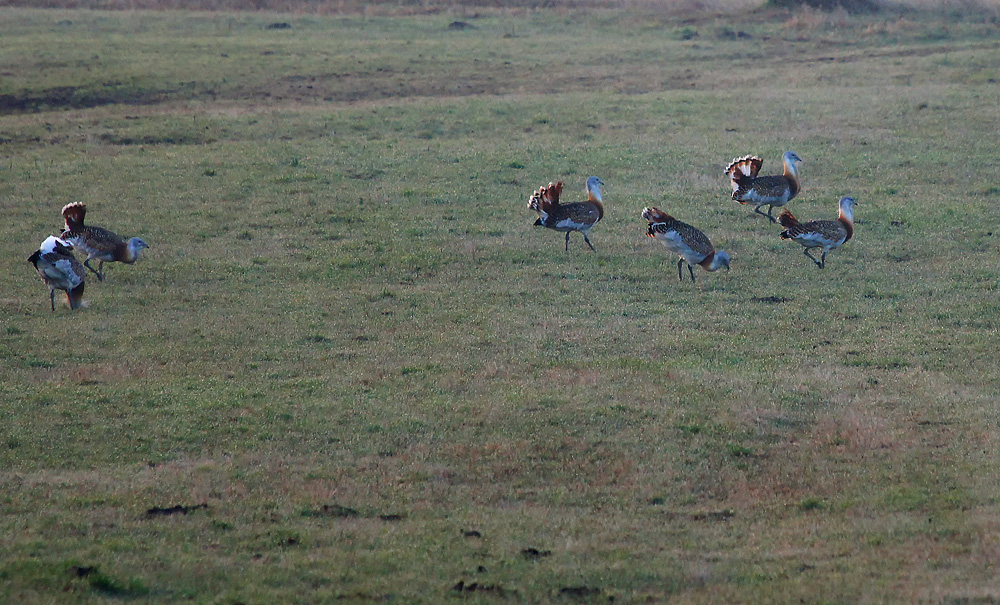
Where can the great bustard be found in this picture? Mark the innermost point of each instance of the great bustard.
(98, 242)
(60, 270)
(827, 234)
(770, 191)
(576, 216)
(693, 246)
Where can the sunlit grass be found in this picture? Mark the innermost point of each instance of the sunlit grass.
(348, 341)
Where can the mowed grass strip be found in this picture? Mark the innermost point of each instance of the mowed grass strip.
(349, 368)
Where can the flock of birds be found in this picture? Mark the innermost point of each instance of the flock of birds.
(690, 243)
(58, 266)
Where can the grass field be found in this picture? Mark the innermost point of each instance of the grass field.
(349, 369)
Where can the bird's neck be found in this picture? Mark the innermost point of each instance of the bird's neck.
(846, 214)
(594, 192)
(846, 218)
(600, 206)
(792, 175)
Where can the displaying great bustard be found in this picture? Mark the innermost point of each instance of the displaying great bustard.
(575, 216)
(770, 191)
(98, 242)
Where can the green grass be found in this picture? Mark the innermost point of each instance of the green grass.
(350, 344)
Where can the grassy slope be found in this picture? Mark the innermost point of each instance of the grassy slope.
(345, 304)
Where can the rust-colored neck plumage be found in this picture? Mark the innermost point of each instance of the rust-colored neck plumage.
(848, 224)
(792, 176)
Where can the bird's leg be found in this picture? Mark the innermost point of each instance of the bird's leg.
(680, 275)
(52, 298)
(691, 271)
(765, 214)
(86, 264)
(100, 271)
(812, 258)
(823, 263)
(567, 241)
(769, 209)
(586, 239)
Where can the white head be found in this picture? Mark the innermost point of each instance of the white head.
(594, 185)
(720, 260)
(53, 243)
(847, 207)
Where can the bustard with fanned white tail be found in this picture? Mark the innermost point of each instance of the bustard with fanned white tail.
(575, 216)
(771, 190)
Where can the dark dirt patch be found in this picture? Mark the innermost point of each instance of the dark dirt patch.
(345, 512)
(166, 139)
(714, 516)
(774, 300)
(477, 587)
(179, 509)
(851, 6)
(579, 592)
(82, 571)
(332, 510)
(534, 553)
(76, 97)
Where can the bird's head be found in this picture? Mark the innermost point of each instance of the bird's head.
(720, 260)
(792, 161)
(135, 246)
(847, 207)
(594, 185)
